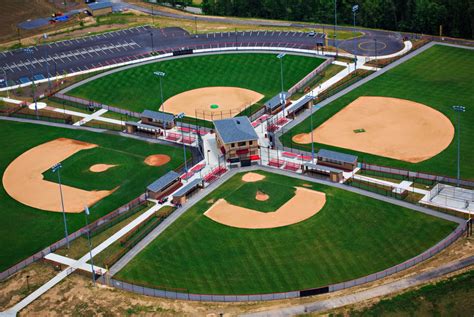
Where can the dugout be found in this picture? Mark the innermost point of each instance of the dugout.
(275, 104)
(303, 103)
(182, 195)
(134, 127)
(339, 160)
(164, 185)
(159, 119)
(335, 175)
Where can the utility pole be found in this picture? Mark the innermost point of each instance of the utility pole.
(56, 168)
(355, 8)
(161, 75)
(86, 214)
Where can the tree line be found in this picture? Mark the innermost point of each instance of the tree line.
(419, 16)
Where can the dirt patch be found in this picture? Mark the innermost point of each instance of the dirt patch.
(157, 159)
(210, 201)
(260, 196)
(229, 100)
(394, 128)
(98, 168)
(251, 177)
(23, 179)
(305, 204)
(307, 185)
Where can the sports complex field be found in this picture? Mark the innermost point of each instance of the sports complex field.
(440, 78)
(351, 236)
(138, 88)
(25, 229)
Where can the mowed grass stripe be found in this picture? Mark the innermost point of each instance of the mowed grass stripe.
(350, 237)
(138, 89)
(440, 77)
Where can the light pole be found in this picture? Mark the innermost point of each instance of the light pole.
(6, 81)
(86, 214)
(311, 131)
(459, 110)
(161, 75)
(335, 25)
(56, 169)
(33, 85)
(180, 116)
(152, 43)
(45, 36)
(283, 101)
(355, 8)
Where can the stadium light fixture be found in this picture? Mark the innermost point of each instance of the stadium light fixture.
(161, 75)
(181, 116)
(86, 214)
(459, 110)
(56, 168)
(355, 8)
(282, 98)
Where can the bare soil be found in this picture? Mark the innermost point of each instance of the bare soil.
(157, 159)
(394, 128)
(23, 178)
(251, 177)
(98, 168)
(230, 101)
(260, 196)
(305, 204)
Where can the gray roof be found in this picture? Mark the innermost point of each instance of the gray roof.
(337, 156)
(163, 181)
(141, 125)
(322, 168)
(236, 129)
(275, 102)
(99, 5)
(158, 115)
(300, 103)
(188, 187)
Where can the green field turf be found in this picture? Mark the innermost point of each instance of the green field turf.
(440, 78)
(25, 230)
(138, 89)
(351, 236)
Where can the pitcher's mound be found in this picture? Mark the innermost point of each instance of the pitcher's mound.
(157, 159)
(261, 196)
(98, 168)
(252, 177)
(395, 128)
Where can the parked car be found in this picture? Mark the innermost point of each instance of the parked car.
(163, 200)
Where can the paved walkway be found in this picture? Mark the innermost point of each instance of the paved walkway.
(90, 117)
(82, 261)
(383, 290)
(398, 187)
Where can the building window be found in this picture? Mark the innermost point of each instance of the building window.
(241, 143)
(232, 145)
(250, 142)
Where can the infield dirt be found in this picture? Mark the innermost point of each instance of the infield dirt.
(230, 101)
(23, 178)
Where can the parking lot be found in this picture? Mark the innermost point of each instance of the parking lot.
(35, 63)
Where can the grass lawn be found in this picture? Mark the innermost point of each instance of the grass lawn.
(350, 237)
(137, 88)
(25, 230)
(451, 297)
(440, 78)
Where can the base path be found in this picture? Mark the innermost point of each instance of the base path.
(226, 102)
(305, 204)
(389, 127)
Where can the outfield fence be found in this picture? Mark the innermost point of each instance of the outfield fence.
(184, 294)
(94, 226)
(310, 76)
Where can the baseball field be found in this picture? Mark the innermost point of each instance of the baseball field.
(404, 117)
(230, 81)
(345, 236)
(102, 171)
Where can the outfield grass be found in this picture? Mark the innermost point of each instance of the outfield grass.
(440, 78)
(351, 236)
(25, 230)
(138, 89)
